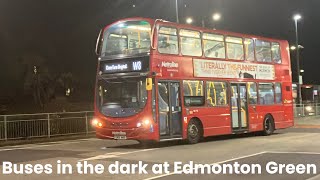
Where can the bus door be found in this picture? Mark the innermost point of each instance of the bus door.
(239, 107)
(252, 102)
(170, 122)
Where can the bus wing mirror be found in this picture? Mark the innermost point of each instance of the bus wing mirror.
(98, 44)
(149, 84)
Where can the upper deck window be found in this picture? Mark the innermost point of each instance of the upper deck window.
(276, 55)
(213, 45)
(190, 42)
(127, 38)
(234, 48)
(263, 51)
(168, 40)
(249, 49)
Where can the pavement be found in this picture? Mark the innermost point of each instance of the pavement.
(289, 146)
(307, 122)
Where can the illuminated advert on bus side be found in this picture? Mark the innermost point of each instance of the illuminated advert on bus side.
(224, 69)
(127, 65)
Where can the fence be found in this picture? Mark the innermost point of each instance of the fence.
(310, 109)
(26, 126)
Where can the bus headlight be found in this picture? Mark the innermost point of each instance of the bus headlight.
(94, 122)
(146, 122)
(99, 124)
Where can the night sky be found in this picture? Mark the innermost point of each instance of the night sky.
(64, 31)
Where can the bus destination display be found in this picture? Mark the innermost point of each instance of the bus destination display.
(126, 65)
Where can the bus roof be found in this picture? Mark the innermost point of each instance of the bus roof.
(197, 28)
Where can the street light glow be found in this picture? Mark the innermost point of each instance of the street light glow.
(216, 16)
(297, 17)
(293, 48)
(189, 20)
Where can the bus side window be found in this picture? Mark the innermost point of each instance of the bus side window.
(278, 93)
(190, 42)
(263, 51)
(276, 55)
(193, 93)
(266, 93)
(252, 92)
(216, 93)
(234, 48)
(210, 94)
(168, 40)
(249, 49)
(213, 45)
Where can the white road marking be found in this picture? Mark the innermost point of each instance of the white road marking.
(115, 154)
(233, 159)
(12, 148)
(251, 155)
(293, 152)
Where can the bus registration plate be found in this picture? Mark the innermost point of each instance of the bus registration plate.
(119, 135)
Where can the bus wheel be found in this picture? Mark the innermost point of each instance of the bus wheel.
(268, 125)
(194, 131)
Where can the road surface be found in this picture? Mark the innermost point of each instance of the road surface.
(295, 146)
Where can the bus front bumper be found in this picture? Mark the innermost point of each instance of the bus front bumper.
(126, 134)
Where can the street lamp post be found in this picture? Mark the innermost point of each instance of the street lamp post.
(296, 18)
(177, 11)
(202, 22)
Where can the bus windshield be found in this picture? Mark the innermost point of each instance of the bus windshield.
(122, 97)
(127, 38)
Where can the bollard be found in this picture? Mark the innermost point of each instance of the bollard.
(5, 129)
(87, 127)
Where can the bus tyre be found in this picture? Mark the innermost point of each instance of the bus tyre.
(194, 132)
(268, 126)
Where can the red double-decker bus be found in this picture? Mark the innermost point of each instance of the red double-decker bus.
(159, 80)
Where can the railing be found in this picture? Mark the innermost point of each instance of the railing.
(27, 126)
(307, 109)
